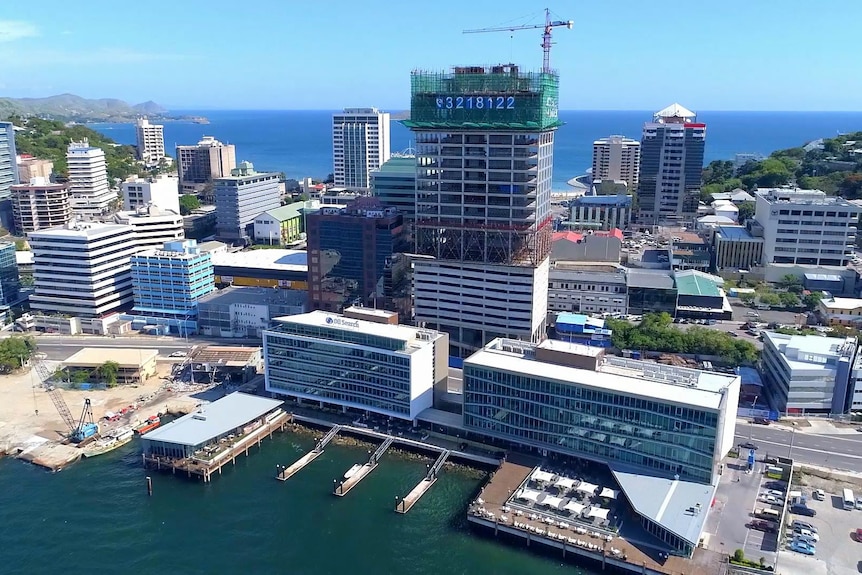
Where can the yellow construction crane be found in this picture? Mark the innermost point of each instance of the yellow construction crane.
(546, 35)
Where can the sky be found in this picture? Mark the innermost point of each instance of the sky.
(794, 55)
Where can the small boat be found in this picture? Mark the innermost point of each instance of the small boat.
(111, 442)
(352, 471)
(150, 424)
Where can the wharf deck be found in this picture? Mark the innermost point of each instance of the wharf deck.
(344, 488)
(417, 492)
(287, 472)
(205, 469)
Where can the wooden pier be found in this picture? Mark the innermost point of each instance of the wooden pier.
(206, 468)
(285, 473)
(406, 504)
(343, 488)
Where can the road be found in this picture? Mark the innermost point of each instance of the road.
(836, 451)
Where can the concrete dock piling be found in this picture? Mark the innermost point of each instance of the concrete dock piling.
(149, 486)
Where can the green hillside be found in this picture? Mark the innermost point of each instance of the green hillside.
(48, 139)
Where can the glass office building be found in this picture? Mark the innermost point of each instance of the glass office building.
(345, 361)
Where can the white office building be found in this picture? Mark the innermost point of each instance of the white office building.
(82, 270)
(360, 145)
(587, 288)
(150, 141)
(662, 430)
(242, 196)
(353, 361)
(89, 187)
(617, 158)
(163, 191)
(808, 374)
(805, 227)
(152, 226)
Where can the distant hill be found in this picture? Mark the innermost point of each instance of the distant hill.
(69, 107)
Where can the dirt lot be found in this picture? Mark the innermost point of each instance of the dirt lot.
(26, 410)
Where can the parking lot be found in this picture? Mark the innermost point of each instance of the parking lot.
(838, 552)
(742, 313)
(735, 503)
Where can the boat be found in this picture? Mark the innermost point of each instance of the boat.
(150, 424)
(352, 471)
(110, 442)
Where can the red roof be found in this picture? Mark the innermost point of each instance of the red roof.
(576, 237)
(614, 233)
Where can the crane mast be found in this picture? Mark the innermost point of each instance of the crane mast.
(547, 28)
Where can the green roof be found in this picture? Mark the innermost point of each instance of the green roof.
(287, 212)
(399, 164)
(692, 282)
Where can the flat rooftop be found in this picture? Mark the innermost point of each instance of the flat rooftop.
(81, 231)
(411, 336)
(126, 357)
(805, 352)
(837, 303)
(736, 233)
(652, 381)
(214, 419)
(280, 260)
(254, 295)
(656, 279)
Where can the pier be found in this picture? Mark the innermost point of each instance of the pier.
(406, 504)
(285, 473)
(344, 487)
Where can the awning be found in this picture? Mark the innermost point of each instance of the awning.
(539, 475)
(564, 482)
(599, 512)
(551, 501)
(574, 507)
(527, 495)
(587, 487)
(609, 493)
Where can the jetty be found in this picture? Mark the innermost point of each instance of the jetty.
(406, 504)
(285, 473)
(343, 488)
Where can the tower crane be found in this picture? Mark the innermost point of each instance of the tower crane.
(546, 34)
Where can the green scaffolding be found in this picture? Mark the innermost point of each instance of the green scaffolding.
(495, 97)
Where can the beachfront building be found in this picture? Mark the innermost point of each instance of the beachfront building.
(358, 360)
(483, 201)
(89, 186)
(808, 374)
(150, 139)
(662, 430)
(360, 145)
(617, 158)
(40, 204)
(82, 270)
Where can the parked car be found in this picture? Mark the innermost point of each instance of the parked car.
(765, 526)
(771, 499)
(178, 354)
(805, 535)
(802, 547)
(776, 492)
(748, 445)
(802, 510)
(798, 523)
(859, 503)
(858, 535)
(761, 421)
(819, 494)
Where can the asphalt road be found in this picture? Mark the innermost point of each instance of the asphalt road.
(837, 451)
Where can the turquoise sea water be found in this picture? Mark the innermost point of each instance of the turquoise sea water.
(96, 517)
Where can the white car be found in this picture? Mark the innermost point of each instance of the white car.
(179, 354)
(819, 494)
(806, 535)
(771, 499)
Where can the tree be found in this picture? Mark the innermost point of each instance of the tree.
(789, 281)
(108, 371)
(746, 211)
(739, 555)
(770, 299)
(789, 299)
(14, 352)
(747, 298)
(188, 203)
(812, 300)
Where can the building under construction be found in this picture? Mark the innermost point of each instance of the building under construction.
(484, 160)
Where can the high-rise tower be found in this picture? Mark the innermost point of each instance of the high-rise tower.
(671, 167)
(484, 159)
(360, 145)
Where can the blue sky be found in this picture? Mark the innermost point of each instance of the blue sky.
(327, 54)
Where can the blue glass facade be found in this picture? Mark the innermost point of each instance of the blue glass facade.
(10, 283)
(583, 420)
(168, 282)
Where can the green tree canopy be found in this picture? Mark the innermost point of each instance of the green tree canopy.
(188, 203)
(746, 211)
(14, 352)
(109, 371)
(812, 300)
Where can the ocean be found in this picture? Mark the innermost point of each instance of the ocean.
(96, 517)
(299, 143)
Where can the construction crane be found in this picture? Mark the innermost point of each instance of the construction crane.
(78, 431)
(546, 35)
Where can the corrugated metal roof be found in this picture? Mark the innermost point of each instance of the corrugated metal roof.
(214, 419)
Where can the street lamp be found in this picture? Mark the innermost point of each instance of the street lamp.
(792, 436)
(750, 425)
